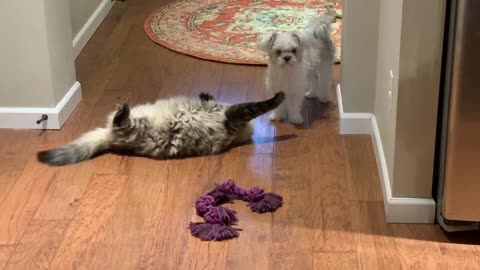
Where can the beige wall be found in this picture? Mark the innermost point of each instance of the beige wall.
(60, 46)
(23, 79)
(390, 28)
(359, 54)
(420, 65)
(409, 42)
(37, 66)
(80, 11)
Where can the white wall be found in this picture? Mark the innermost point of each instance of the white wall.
(37, 66)
(80, 11)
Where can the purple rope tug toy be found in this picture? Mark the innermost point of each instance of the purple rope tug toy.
(219, 220)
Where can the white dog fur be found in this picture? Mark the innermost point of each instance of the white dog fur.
(300, 64)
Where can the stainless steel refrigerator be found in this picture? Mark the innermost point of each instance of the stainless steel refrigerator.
(458, 141)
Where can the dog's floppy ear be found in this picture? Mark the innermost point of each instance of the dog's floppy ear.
(298, 38)
(265, 41)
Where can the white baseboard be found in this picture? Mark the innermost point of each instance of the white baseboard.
(25, 118)
(353, 123)
(397, 209)
(87, 31)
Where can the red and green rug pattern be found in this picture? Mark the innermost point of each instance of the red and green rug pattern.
(226, 30)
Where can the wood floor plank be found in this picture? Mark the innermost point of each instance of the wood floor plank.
(458, 250)
(335, 261)
(330, 189)
(63, 196)
(331, 184)
(249, 171)
(14, 156)
(291, 227)
(457, 263)
(204, 255)
(236, 82)
(207, 78)
(68, 186)
(179, 78)
(10, 170)
(13, 143)
(143, 76)
(417, 249)
(167, 233)
(23, 200)
(363, 168)
(38, 245)
(128, 228)
(376, 246)
(5, 253)
(79, 248)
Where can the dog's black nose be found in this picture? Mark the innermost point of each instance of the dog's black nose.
(287, 58)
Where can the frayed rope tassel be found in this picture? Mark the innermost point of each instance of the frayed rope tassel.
(219, 220)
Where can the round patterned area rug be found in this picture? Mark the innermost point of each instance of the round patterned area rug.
(226, 30)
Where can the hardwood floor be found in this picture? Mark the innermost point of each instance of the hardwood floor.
(117, 212)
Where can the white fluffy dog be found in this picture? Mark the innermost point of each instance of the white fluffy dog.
(300, 64)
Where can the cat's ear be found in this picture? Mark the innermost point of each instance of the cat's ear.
(265, 41)
(122, 116)
(204, 96)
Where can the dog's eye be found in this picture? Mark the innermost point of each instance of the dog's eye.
(278, 52)
(294, 51)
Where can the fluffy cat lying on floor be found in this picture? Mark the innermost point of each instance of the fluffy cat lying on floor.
(176, 127)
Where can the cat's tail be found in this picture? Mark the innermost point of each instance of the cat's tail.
(85, 147)
(245, 112)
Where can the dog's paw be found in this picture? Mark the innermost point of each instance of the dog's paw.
(296, 119)
(311, 94)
